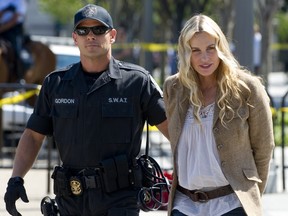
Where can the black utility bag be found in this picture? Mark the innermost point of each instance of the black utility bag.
(155, 186)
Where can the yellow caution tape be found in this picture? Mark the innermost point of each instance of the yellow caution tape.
(152, 47)
(273, 110)
(279, 46)
(19, 97)
(284, 109)
(161, 47)
(151, 128)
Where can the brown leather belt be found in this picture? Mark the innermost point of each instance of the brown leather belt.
(205, 196)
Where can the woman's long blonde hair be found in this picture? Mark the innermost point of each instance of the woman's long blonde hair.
(227, 81)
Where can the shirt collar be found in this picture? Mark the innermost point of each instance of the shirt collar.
(113, 72)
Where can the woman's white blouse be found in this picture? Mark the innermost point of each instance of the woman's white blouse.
(198, 166)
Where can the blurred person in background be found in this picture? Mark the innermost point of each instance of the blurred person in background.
(12, 17)
(257, 48)
(124, 51)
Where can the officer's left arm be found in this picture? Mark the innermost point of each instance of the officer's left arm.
(163, 128)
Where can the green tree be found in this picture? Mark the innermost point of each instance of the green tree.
(267, 11)
(282, 27)
(168, 17)
(63, 11)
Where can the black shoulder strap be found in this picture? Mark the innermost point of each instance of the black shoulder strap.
(147, 139)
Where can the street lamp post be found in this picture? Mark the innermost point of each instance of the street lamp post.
(147, 35)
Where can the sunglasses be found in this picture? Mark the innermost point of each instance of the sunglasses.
(97, 30)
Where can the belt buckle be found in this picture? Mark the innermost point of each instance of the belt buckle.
(199, 193)
(76, 186)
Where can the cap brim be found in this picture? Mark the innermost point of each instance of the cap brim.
(88, 18)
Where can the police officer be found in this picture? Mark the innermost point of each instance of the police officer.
(95, 110)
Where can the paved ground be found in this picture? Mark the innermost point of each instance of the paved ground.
(275, 202)
(36, 188)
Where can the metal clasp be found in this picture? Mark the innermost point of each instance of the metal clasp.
(201, 196)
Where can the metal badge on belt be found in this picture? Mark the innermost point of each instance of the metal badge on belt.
(76, 186)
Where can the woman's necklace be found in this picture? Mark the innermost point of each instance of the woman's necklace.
(205, 111)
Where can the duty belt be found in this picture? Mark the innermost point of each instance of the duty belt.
(205, 196)
(111, 175)
(85, 179)
(77, 184)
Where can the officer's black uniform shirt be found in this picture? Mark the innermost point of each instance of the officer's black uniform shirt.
(96, 123)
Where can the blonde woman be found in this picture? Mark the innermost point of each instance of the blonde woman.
(220, 127)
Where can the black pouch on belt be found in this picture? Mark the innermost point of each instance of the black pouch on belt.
(122, 171)
(109, 175)
(116, 173)
(61, 182)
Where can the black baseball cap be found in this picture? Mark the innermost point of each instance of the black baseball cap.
(95, 12)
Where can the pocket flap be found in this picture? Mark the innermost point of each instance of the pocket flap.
(252, 175)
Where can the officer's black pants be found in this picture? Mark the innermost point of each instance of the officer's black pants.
(95, 202)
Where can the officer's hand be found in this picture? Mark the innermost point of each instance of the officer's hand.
(15, 189)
